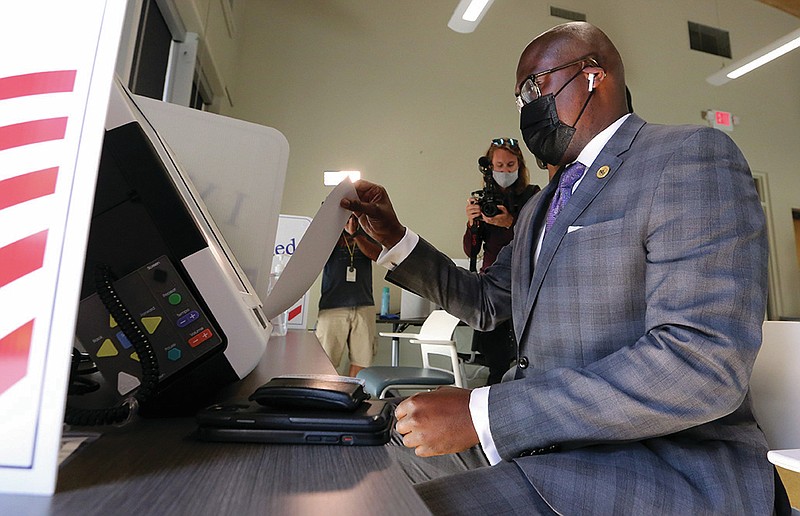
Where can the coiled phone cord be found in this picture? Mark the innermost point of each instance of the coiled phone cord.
(141, 344)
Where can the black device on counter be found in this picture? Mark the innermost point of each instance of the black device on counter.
(323, 392)
(368, 425)
(303, 409)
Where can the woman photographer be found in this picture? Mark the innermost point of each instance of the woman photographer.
(509, 182)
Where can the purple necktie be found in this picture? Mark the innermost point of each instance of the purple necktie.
(571, 174)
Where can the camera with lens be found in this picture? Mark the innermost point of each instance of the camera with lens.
(490, 197)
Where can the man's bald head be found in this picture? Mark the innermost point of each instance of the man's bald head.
(568, 43)
(572, 40)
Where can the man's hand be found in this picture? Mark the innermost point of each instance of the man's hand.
(375, 213)
(438, 422)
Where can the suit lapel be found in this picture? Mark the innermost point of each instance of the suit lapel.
(525, 246)
(595, 179)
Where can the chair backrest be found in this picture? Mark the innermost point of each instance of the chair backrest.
(775, 384)
(439, 325)
(447, 349)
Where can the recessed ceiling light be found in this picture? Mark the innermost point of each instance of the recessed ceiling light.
(468, 15)
(761, 57)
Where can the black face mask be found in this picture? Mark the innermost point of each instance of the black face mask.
(546, 136)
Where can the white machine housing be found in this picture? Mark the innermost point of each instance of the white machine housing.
(212, 266)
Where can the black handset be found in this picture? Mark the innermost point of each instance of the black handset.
(327, 392)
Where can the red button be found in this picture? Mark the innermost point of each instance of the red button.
(200, 338)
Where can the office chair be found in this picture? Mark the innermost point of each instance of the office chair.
(775, 394)
(434, 338)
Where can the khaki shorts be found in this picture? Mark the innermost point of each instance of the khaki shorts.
(352, 327)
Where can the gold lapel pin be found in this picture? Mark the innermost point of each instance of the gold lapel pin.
(602, 172)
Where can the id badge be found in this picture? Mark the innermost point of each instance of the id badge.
(351, 274)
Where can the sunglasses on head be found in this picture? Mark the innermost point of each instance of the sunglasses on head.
(511, 142)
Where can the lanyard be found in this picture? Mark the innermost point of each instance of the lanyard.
(350, 250)
(351, 270)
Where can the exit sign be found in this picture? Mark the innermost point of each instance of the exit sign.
(721, 119)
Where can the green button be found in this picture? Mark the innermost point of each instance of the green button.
(174, 299)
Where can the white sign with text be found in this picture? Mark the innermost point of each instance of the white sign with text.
(291, 229)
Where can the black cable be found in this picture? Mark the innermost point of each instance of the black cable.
(141, 344)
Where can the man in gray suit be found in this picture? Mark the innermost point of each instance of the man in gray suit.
(637, 308)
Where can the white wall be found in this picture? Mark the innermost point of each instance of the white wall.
(385, 87)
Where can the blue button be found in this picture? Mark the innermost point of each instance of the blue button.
(188, 319)
(174, 354)
(124, 340)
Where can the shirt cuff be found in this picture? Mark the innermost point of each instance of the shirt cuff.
(391, 258)
(479, 411)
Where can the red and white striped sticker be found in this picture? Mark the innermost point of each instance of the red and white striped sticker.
(24, 256)
(54, 93)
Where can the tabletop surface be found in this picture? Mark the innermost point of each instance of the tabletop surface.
(156, 466)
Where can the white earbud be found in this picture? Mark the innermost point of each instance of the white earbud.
(591, 81)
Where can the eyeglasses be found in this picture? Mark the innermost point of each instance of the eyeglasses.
(511, 142)
(529, 89)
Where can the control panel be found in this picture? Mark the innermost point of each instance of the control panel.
(167, 312)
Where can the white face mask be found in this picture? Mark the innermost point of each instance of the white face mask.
(505, 179)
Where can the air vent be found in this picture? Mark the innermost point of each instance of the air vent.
(567, 15)
(709, 40)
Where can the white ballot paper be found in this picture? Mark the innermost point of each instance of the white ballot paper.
(312, 252)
